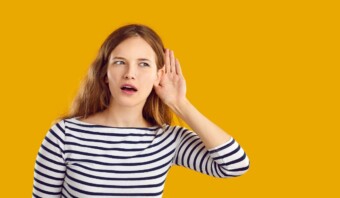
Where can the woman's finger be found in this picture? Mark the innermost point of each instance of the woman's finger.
(178, 68)
(167, 61)
(172, 61)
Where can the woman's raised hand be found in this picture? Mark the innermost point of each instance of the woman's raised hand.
(172, 87)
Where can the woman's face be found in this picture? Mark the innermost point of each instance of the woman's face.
(132, 72)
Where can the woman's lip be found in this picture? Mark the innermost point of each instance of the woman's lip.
(129, 85)
(129, 92)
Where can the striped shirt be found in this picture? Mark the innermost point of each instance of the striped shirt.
(79, 159)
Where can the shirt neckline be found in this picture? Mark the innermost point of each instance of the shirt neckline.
(74, 119)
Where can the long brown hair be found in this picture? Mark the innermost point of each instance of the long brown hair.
(94, 94)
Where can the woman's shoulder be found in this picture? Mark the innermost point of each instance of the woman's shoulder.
(176, 128)
(61, 123)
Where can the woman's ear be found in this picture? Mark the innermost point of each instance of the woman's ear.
(160, 74)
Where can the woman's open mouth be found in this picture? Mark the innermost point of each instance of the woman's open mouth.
(128, 89)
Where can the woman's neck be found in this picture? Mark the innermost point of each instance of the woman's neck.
(123, 117)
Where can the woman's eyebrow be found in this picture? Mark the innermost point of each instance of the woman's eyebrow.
(118, 57)
(143, 59)
(140, 59)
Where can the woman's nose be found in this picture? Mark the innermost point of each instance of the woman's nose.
(130, 73)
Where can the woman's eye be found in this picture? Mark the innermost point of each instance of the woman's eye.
(145, 64)
(118, 62)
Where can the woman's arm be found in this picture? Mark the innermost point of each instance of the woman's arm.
(220, 154)
(50, 167)
(223, 161)
(210, 133)
(171, 88)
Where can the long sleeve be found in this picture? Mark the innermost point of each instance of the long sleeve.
(49, 170)
(225, 160)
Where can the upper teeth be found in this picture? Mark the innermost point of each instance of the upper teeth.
(129, 87)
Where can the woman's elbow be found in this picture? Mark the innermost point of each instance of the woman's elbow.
(236, 170)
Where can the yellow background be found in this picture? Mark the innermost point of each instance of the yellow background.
(267, 72)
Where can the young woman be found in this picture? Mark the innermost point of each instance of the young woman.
(117, 140)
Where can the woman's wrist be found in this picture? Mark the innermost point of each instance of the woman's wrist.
(181, 107)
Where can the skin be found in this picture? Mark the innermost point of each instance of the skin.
(168, 82)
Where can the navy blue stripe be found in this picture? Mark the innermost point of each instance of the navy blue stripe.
(49, 168)
(122, 164)
(195, 159)
(160, 142)
(47, 184)
(115, 194)
(174, 159)
(50, 160)
(51, 142)
(118, 179)
(108, 142)
(181, 144)
(190, 153)
(36, 196)
(207, 162)
(63, 195)
(217, 170)
(51, 152)
(235, 161)
(46, 192)
(64, 188)
(225, 173)
(228, 154)
(223, 147)
(55, 135)
(184, 143)
(183, 131)
(103, 148)
(61, 128)
(115, 157)
(237, 169)
(54, 144)
(48, 176)
(203, 158)
(186, 150)
(206, 165)
(213, 170)
(127, 172)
